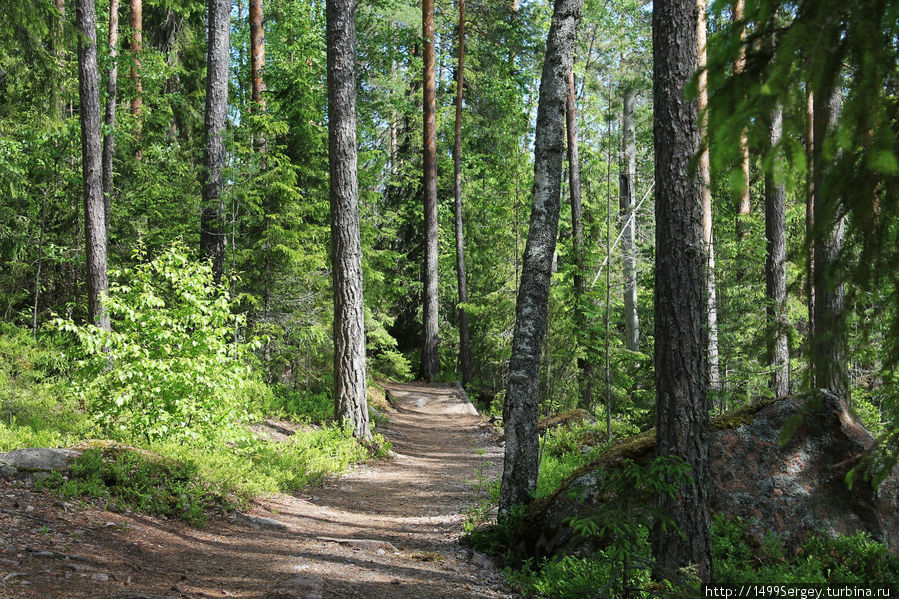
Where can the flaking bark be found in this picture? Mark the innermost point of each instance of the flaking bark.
(430, 361)
(520, 410)
(350, 402)
(681, 365)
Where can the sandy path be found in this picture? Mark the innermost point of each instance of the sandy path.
(410, 505)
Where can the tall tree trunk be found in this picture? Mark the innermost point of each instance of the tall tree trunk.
(109, 120)
(775, 262)
(743, 198)
(810, 228)
(584, 367)
(705, 176)
(520, 411)
(56, 102)
(212, 233)
(829, 346)
(350, 403)
(257, 53)
(137, 46)
(89, 96)
(627, 201)
(462, 280)
(430, 361)
(681, 364)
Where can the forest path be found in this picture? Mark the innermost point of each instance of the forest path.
(403, 513)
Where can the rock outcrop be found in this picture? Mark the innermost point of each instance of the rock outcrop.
(35, 463)
(780, 465)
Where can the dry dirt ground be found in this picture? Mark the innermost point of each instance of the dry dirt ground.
(407, 511)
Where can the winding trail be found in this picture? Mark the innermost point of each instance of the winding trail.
(387, 530)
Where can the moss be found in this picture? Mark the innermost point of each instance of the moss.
(565, 419)
(640, 447)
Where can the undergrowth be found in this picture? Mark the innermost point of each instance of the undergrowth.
(171, 476)
(621, 562)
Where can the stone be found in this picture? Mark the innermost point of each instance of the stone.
(781, 466)
(36, 462)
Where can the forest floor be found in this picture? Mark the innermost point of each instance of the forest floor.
(389, 529)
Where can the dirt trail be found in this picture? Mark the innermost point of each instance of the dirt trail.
(407, 509)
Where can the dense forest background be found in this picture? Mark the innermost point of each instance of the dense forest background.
(797, 113)
(276, 226)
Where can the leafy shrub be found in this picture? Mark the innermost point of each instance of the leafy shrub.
(173, 365)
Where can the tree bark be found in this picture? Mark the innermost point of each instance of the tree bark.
(829, 344)
(350, 400)
(137, 45)
(462, 279)
(584, 367)
(109, 118)
(743, 197)
(94, 227)
(430, 361)
(626, 203)
(56, 104)
(681, 364)
(257, 53)
(520, 411)
(775, 262)
(810, 228)
(705, 176)
(212, 233)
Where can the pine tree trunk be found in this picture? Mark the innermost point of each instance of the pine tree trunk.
(743, 199)
(350, 401)
(109, 120)
(711, 294)
(137, 46)
(584, 367)
(520, 412)
(775, 262)
(810, 228)
(430, 361)
(257, 53)
(681, 364)
(94, 220)
(627, 202)
(829, 344)
(462, 279)
(212, 233)
(56, 103)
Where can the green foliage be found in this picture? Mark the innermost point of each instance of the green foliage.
(34, 408)
(173, 365)
(141, 481)
(822, 559)
(297, 404)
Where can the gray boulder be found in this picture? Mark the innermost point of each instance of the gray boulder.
(780, 465)
(35, 463)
